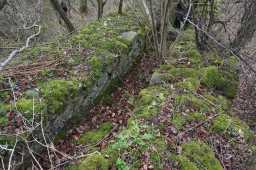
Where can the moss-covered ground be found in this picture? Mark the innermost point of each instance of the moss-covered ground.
(182, 118)
(179, 121)
(47, 77)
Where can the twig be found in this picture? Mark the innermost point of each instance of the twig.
(11, 156)
(223, 46)
(17, 51)
(2, 161)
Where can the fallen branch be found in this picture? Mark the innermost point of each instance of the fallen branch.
(17, 51)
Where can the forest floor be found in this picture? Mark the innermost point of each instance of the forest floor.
(116, 108)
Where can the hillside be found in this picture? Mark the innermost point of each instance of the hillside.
(101, 99)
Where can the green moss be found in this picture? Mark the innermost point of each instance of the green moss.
(94, 136)
(159, 153)
(3, 114)
(179, 119)
(3, 121)
(8, 141)
(108, 34)
(121, 165)
(212, 78)
(96, 65)
(49, 49)
(198, 116)
(150, 101)
(137, 138)
(184, 72)
(3, 108)
(92, 162)
(194, 57)
(214, 59)
(224, 81)
(169, 73)
(232, 127)
(185, 163)
(56, 92)
(190, 84)
(28, 106)
(190, 101)
(200, 155)
(222, 103)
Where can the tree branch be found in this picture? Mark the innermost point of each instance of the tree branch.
(17, 51)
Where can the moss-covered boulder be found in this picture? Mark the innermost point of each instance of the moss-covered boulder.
(109, 54)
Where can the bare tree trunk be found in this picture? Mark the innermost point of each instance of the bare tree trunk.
(120, 7)
(101, 4)
(63, 15)
(154, 28)
(164, 27)
(84, 6)
(248, 26)
(2, 4)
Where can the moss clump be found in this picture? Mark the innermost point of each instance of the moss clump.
(108, 34)
(212, 78)
(92, 162)
(28, 106)
(223, 81)
(194, 57)
(221, 101)
(169, 73)
(233, 127)
(3, 108)
(190, 84)
(190, 101)
(56, 92)
(184, 72)
(3, 120)
(185, 163)
(199, 156)
(3, 114)
(180, 119)
(94, 136)
(136, 139)
(214, 59)
(150, 101)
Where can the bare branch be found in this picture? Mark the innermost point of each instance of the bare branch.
(17, 51)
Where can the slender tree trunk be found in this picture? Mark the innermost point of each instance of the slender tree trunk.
(2, 4)
(164, 27)
(101, 4)
(120, 7)
(154, 28)
(84, 6)
(248, 26)
(63, 15)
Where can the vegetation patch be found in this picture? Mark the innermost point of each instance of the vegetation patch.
(197, 155)
(181, 119)
(93, 161)
(92, 137)
(28, 107)
(56, 92)
(135, 141)
(232, 127)
(150, 101)
(213, 78)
